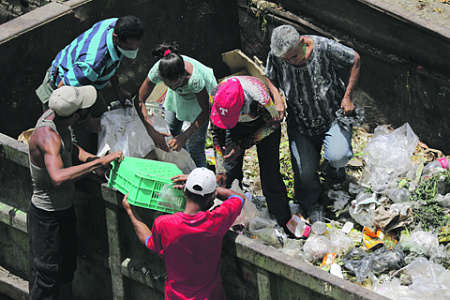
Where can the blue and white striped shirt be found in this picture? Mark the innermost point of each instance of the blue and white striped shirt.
(90, 59)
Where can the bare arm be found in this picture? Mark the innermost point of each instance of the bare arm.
(120, 92)
(278, 101)
(223, 193)
(142, 230)
(347, 103)
(178, 142)
(49, 148)
(139, 102)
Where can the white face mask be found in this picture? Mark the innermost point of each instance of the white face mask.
(128, 53)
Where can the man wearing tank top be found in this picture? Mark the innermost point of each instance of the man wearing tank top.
(55, 164)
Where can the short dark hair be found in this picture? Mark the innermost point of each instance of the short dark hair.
(199, 199)
(129, 27)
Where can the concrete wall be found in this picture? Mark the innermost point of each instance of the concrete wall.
(113, 264)
(28, 45)
(405, 76)
(10, 9)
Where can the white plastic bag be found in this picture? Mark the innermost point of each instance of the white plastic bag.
(316, 247)
(122, 130)
(389, 156)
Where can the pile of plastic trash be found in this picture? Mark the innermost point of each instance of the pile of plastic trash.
(379, 236)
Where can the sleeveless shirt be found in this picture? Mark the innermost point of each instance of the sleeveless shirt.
(47, 196)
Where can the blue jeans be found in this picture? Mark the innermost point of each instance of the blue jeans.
(305, 158)
(195, 145)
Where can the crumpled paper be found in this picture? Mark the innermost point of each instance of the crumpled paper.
(390, 220)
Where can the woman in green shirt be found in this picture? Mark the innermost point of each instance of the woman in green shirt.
(187, 99)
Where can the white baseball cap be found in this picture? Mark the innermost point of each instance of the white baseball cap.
(201, 181)
(66, 100)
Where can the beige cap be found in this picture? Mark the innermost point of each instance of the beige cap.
(66, 100)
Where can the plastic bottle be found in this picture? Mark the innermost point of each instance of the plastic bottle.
(302, 229)
(319, 227)
(438, 163)
(316, 216)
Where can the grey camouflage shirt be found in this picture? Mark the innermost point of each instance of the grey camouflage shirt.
(313, 90)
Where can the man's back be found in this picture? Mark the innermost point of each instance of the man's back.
(191, 246)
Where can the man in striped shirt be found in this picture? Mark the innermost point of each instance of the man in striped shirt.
(92, 59)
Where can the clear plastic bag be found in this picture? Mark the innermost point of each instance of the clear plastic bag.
(426, 240)
(122, 130)
(389, 156)
(428, 281)
(316, 247)
(249, 211)
(181, 158)
(392, 150)
(443, 201)
(362, 209)
(340, 242)
(398, 195)
(169, 198)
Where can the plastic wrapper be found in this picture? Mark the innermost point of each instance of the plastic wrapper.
(316, 247)
(180, 158)
(292, 247)
(340, 242)
(428, 281)
(122, 130)
(340, 199)
(362, 209)
(398, 195)
(259, 223)
(249, 211)
(381, 260)
(425, 240)
(392, 150)
(443, 201)
(389, 156)
(170, 197)
(267, 235)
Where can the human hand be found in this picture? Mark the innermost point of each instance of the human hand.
(281, 109)
(125, 203)
(159, 138)
(348, 106)
(115, 156)
(92, 124)
(179, 181)
(123, 95)
(178, 142)
(106, 160)
(221, 179)
(102, 171)
(235, 152)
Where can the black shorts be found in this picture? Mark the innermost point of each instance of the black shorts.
(52, 257)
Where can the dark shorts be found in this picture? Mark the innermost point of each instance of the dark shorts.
(52, 257)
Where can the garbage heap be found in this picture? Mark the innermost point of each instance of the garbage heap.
(387, 230)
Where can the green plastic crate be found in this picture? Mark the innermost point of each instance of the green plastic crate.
(143, 180)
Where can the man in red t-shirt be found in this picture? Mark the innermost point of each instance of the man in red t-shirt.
(191, 242)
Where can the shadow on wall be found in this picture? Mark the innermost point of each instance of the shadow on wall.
(28, 45)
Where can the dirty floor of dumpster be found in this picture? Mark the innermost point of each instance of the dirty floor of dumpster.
(385, 228)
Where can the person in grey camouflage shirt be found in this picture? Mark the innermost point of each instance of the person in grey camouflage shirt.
(306, 69)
